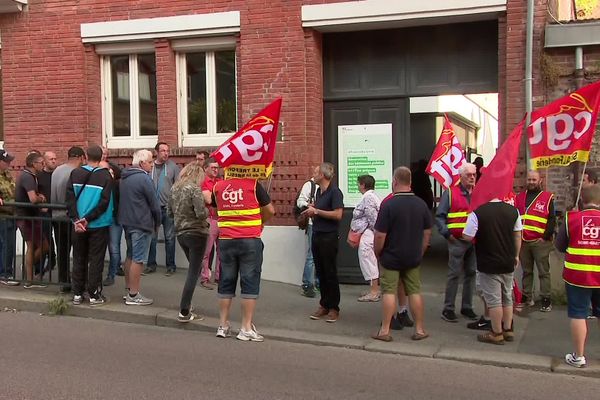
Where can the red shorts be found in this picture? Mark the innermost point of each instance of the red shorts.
(31, 231)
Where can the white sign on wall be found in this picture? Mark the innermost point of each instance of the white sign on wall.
(364, 150)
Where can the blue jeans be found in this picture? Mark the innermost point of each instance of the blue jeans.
(169, 230)
(7, 246)
(241, 257)
(308, 276)
(114, 248)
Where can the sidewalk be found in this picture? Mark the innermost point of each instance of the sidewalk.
(541, 339)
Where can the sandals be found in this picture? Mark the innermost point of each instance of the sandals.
(369, 297)
(419, 336)
(384, 338)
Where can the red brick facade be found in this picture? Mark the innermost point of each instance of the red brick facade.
(52, 93)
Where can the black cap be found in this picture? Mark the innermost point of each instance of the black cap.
(6, 156)
(75, 152)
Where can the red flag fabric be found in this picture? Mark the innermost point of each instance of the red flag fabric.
(447, 157)
(562, 131)
(497, 178)
(250, 151)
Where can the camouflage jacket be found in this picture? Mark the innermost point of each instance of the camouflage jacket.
(186, 206)
(7, 191)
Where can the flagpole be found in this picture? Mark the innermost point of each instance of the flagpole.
(269, 184)
(580, 184)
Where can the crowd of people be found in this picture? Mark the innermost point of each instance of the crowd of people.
(209, 216)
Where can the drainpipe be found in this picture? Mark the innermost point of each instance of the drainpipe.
(579, 81)
(528, 73)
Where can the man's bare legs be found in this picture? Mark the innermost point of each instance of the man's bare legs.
(579, 335)
(224, 306)
(417, 309)
(388, 304)
(135, 273)
(248, 307)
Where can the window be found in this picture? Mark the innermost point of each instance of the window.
(130, 113)
(207, 96)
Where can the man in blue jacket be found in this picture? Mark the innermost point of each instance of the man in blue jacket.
(90, 207)
(140, 216)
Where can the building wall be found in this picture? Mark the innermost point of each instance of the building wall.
(52, 98)
(51, 80)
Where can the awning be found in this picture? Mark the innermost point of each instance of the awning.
(383, 14)
(12, 6)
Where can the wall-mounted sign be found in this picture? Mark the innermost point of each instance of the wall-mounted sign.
(364, 150)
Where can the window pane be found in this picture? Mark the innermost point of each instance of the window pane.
(147, 93)
(196, 93)
(119, 68)
(226, 104)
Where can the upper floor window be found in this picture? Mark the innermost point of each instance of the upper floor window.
(206, 94)
(130, 113)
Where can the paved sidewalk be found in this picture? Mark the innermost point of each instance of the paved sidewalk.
(541, 339)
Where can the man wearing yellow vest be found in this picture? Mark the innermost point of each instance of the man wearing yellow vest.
(451, 219)
(579, 237)
(537, 213)
(243, 206)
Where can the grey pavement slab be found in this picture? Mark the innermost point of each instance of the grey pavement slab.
(282, 313)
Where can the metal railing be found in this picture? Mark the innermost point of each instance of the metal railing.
(35, 244)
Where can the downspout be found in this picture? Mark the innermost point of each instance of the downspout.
(528, 73)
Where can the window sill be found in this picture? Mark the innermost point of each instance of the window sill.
(205, 140)
(129, 143)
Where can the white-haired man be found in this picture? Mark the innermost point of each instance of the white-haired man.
(140, 216)
(451, 219)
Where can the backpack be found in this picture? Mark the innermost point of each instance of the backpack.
(301, 219)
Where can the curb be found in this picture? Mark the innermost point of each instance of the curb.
(164, 317)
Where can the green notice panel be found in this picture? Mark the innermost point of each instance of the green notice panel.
(364, 150)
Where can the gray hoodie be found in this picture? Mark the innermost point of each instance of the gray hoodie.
(163, 177)
(138, 206)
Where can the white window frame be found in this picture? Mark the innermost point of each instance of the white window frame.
(208, 46)
(135, 140)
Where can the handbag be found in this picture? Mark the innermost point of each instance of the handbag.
(353, 238)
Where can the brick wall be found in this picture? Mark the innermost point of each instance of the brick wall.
(52, 96)
(559, 78)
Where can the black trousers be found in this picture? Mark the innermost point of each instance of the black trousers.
(62, 234)
(325, 249)
(89, 249)
(193, 246)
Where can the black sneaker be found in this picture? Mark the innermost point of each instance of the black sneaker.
(149, 270)
(481, 325)
(404, 319)
(546, 305)
(64, 289)
(109, 281)
(120, 272)
(449, 315)
(468, 313)
(308, 291)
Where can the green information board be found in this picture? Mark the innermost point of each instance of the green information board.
(364, 150)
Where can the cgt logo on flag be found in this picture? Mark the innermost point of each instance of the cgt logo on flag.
(249, 153)
(447, 157)
(562, 131)
(590, 228)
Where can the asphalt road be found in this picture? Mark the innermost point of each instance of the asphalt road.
(71, 358)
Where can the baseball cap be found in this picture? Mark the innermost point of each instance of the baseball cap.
(75, 152)
(6, 156)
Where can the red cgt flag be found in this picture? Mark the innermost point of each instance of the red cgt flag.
(497, 178)
(250, 151)
(562, 131)
(447, 157)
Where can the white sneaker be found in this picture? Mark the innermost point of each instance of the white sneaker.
(77, 300)
(223, 331)
(250, 336)
(101, 300)
(138, 300)
(574, 361)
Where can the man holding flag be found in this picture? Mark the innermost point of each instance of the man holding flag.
(536, 207)
(243, 206)
(448, 166)
(451, 219)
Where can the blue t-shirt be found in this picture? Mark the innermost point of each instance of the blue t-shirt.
(329, 200)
